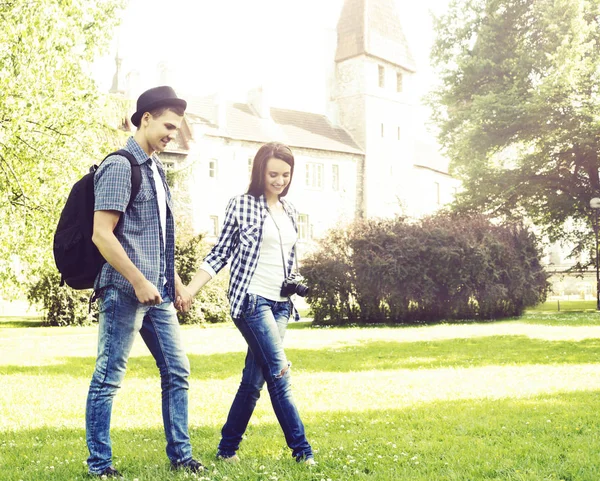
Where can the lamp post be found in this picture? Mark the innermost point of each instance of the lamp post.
(595, 205)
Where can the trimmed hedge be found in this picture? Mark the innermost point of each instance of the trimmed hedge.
(444, 267)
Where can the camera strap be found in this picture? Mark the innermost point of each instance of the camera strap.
(285, 274)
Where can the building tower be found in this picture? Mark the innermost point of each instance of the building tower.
(372, 100)
(117, 83)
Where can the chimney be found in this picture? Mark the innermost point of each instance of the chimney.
(165, 74)
(259, 101)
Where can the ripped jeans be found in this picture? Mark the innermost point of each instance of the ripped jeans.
(263, 325)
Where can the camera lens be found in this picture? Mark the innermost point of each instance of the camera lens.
(302, 290)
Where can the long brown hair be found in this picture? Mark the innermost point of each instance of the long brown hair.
(259, 167)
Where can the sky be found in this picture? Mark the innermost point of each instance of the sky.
(232, 46)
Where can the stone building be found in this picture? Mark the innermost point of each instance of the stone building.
(362, 159)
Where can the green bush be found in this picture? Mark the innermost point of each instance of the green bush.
(443, 267)
(211, 303)
(62, 306)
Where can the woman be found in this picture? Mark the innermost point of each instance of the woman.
(259, 234)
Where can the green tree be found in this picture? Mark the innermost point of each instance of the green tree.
(518, 109)
(53, 121)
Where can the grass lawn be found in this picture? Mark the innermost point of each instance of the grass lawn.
(511, 400)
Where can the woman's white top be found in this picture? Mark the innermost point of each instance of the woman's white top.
(269, 274)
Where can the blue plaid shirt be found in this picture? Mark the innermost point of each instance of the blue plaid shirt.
(139, 230)
(240, 239)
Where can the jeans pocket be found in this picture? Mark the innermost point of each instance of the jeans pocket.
(107, 298)
(249, 305)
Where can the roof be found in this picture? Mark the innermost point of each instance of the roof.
(372, 27)
(292, 127)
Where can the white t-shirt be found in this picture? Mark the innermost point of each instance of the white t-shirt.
(161, 199)
(269, 274)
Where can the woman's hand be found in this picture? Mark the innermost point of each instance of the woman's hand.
(184, 298)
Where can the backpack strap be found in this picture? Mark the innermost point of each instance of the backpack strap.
(136, 174)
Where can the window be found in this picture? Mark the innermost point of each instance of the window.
(214, 225)
(436, 186)
(381, 70)
(398, 133)
(169, 160)
(303, 227)
(399, 81)
(314, 175)
(167, 164)
(382, 131)
(212, 169)
(335, 177)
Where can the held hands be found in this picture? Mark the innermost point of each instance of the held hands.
(185, 294)
(183, 297)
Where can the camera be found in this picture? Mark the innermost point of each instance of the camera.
(293, 285)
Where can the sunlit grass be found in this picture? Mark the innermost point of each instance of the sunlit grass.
(514, 400)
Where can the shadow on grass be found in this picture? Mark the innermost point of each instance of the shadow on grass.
(545, 437)
(376, 355)
(20, 321)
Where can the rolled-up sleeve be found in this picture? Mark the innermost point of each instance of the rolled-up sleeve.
(112, 184)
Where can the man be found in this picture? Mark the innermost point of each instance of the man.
(138, 284)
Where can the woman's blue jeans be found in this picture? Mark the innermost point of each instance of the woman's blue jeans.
(263, 325)
(121, 318)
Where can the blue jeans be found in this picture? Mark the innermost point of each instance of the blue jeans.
(121, 318)
(263, 325)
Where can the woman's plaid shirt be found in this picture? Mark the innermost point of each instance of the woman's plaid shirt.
(240, 241)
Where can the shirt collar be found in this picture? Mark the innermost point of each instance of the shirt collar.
(139, 154)
(262, 200)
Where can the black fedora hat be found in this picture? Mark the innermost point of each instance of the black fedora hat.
(154, 98)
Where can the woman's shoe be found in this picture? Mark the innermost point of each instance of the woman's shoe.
(229, 459)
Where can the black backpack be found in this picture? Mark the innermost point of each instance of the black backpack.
(76, 256)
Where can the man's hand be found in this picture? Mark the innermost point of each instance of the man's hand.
(147, 293)
(184, 298)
